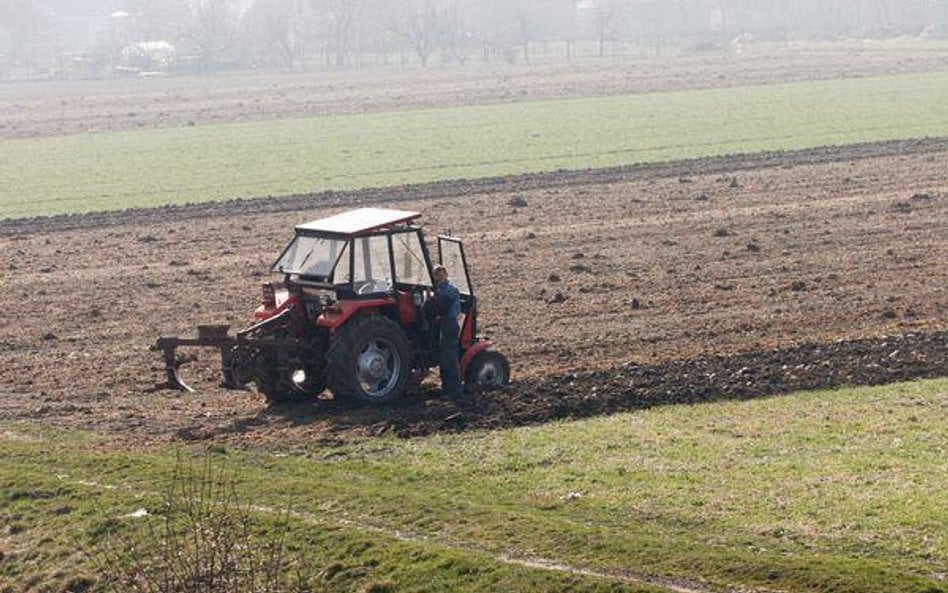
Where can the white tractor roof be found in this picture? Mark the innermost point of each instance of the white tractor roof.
(358, 221)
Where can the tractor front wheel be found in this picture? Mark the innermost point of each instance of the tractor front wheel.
(369, 361)
(488, 370)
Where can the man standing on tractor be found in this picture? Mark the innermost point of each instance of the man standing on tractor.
(448, 307)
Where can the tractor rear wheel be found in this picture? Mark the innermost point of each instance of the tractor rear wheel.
(369, 361)
(488, 370)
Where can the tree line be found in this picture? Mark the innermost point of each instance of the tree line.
(209, 35)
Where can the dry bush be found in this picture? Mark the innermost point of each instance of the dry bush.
(204, 539)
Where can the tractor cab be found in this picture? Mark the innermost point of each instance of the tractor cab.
(360, 253)
(366, 254)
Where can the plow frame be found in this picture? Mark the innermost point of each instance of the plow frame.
(215, 336)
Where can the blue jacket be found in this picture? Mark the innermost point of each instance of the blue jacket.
(449, 301)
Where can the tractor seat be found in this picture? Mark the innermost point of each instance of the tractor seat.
(467, 303)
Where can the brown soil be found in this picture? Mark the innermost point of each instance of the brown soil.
(44, 109)
(680, 282)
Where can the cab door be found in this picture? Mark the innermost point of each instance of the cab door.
(451, 256)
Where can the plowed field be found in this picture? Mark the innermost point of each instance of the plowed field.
(608, 291)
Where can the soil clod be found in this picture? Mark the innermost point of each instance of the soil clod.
(902, 207)
(558, 297)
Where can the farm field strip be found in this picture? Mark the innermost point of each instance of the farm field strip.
(52, 109)
(767, 494)
(191, 164)
(581, 180)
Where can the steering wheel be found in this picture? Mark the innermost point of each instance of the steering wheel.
(371, 286)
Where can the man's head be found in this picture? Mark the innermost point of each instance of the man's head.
(440, 275)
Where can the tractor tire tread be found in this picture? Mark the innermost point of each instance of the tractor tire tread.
(341, 373)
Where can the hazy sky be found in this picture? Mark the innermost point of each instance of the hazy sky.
(70, 8)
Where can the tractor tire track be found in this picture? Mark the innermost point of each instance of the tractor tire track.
(631, 387)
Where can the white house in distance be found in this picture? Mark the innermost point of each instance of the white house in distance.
(148, 55)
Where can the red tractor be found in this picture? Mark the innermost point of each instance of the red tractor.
(350, 316)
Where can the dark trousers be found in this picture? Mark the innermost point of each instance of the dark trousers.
(450, 358)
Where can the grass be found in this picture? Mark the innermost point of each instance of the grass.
(73, 174)
(821, 491)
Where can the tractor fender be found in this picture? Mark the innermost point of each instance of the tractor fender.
(334, 317)
(476, 348)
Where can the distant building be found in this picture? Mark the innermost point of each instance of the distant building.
(148, 56)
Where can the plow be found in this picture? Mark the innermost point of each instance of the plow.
(240, 354)
(352, 315)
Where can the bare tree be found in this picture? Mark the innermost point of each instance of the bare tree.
(210, 26)
(457, 38)
(525, 25)
(502, 25)
(563, 23)
(281, 27)
(605, 19)
(336, 23)
(420, 24)
(522, 22)
(345, 15)
(21, 22)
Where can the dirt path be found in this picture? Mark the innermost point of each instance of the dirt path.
(707, 265)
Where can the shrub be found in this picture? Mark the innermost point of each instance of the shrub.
(203, 539)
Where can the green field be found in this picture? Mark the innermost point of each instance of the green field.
(91, 172)
(838, 491)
